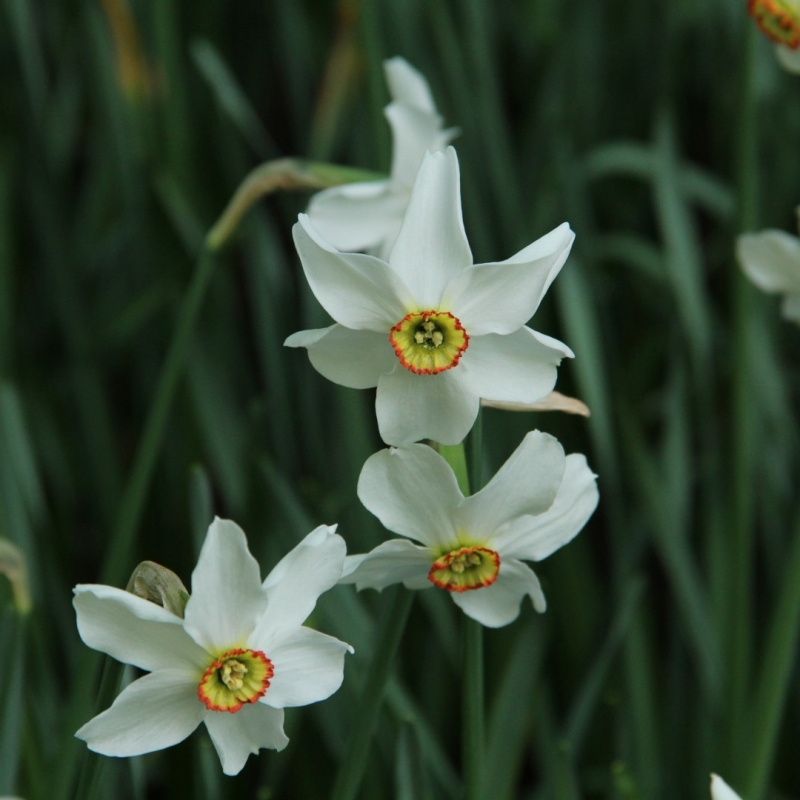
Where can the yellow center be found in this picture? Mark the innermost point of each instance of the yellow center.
(429, 342)
(465, 568)
(235, 678)
(779, 19)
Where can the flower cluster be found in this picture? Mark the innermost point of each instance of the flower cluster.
(436, 334)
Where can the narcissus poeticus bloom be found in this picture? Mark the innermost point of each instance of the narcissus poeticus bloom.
(780, 21)
(367, 216)
(473, 547)
(771, 259)
(720, 790)
(238, 657)
(433, 331)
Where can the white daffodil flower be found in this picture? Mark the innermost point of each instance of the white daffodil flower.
(367, 216)
(473, 547)
(720, 790)
(780, 21)
(433, 331)
(235, 661)
(771, 259)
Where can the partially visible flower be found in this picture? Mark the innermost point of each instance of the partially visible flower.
(367, 216)
(720, 790)
(771, 259)
(780, 21)
(238, 658)
(433, 331)
(473, 547)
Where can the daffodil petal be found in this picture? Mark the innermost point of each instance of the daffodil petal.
(500, 297)
(298, 579)
(533, 538)
(309, 667)
(227, 596)
(432, 246)
(358, 216)
(407, 84)
(789, 59)
(350, 358)
(359, 291)
(394, 561)
(414, 133)
(721, 791)
(771, 259)
(133, 630)
(238, 736)
(498, 605)
(413, 492)
(526, 484)
(412, 407)
(154, 712)
(519, 367)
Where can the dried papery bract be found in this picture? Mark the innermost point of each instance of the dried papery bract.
(14, 567)
(159, 585)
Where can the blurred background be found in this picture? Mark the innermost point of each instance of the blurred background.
(658, 130)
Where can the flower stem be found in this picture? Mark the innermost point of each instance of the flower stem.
(744, 420)
(392, 625)
(474, 723)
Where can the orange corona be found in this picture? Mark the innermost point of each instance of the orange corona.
(778, 19)
(429, 342)
(235, 678)
(465, 568)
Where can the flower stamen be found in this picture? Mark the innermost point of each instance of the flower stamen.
(778, 19)
(429, 342)
(235, 678)
(465, 568)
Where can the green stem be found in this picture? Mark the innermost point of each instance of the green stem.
(474, 723)
(391, 629)
(118, 561)
(774, 681)
(475, 453)
(744, 420)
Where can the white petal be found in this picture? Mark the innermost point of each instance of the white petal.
(309, 667)
(519, 367)
(790, 307)
(154, 712)
(133, 630)
(350, 358)
(501, 297)
(412, 407)
(227, 597)
(395, 561)
(357, 216)
(535, 537)
(498, 604)
(360, 292)
(432, 246)
(298, 579)
(789, 59)
(237, 736)
(407, 84)
(721, 791)
(771, 259)
(414, 133)
(413, 492)
(526, 484)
